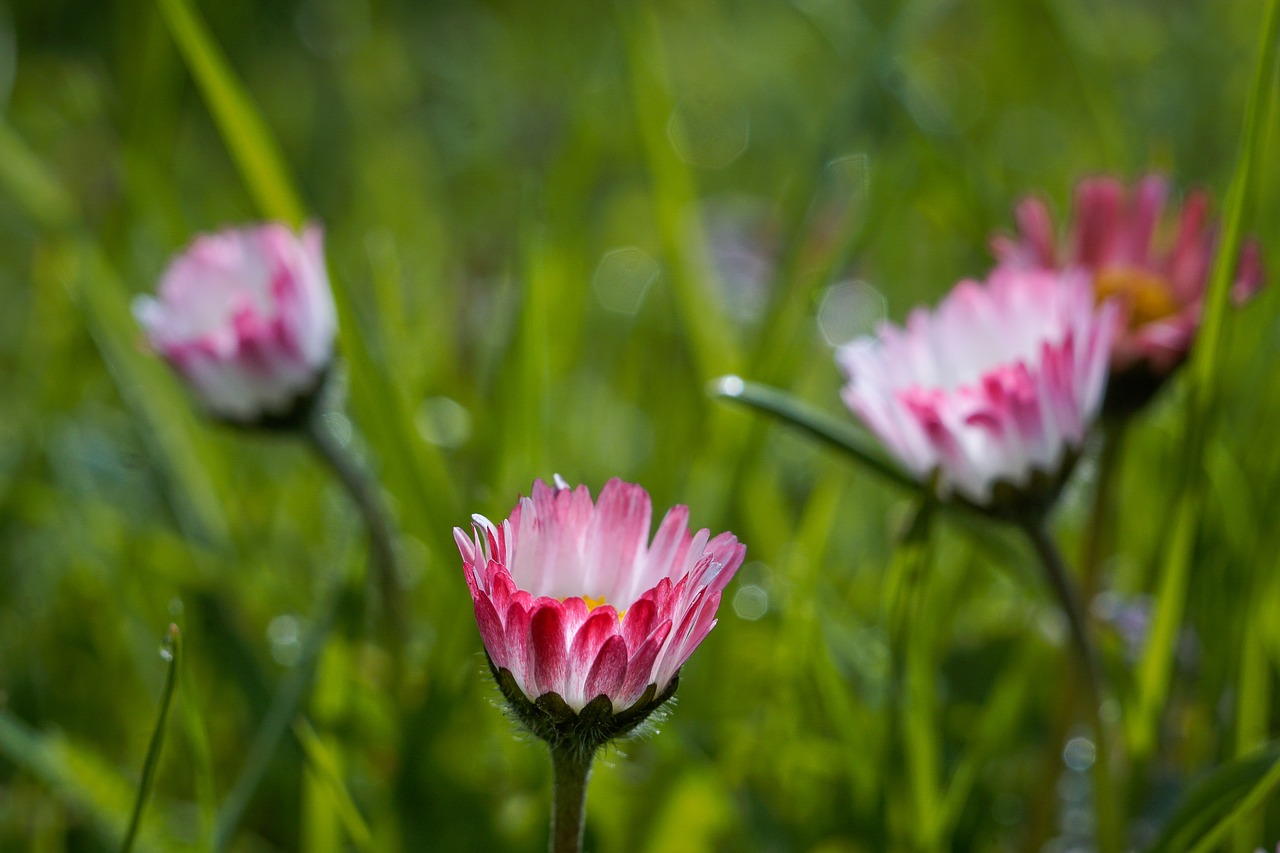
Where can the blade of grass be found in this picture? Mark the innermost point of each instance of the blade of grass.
(836, 432)
(172, 655)
(1155, 668)
(324, 765)
(1212, 805)
(75, 776)
(912, 639)
(1000, 714)
(248, 139)
(27, 179)
(422, 477)
(284, 707)
(197, 738)
(675, 199)
(96, 290)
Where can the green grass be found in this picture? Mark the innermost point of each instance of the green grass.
(474, 165)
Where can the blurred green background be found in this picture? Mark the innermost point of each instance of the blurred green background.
(550, 226)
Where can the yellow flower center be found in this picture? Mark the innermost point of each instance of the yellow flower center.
(1147, 296)
(593, 603)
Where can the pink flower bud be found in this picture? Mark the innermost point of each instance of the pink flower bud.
(994, 391)
(245, 316)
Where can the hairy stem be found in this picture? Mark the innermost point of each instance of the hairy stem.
(367, 497)
(568, 810)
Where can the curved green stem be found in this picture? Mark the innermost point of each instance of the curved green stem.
(365, 494)
(569, 806)
(1107, 808)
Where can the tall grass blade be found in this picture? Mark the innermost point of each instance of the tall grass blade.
(246, 135)
(1156, 666)
(1209, 809)
(172, 655)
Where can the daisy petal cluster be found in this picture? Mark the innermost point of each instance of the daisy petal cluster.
(246, 318)
(997, 386)
(1155, 270)
(574, 602)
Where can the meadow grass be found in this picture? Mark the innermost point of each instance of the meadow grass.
(550, 228)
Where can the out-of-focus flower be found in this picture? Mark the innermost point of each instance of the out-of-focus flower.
(246, 318)
(585, 622)
(1156, 273)
(994, 391)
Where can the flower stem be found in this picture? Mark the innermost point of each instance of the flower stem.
(365, 494)
(1098, 533)
(572, 770)
(1106, 806)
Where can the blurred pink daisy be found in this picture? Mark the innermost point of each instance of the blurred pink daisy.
(578, 610)
(994, 391)
(1156, 273)
(245, 316)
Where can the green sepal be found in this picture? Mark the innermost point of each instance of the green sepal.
(550, 718)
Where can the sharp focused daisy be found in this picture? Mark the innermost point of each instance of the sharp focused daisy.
(586, 622)
(994, 390)
(246, 318)
(573, 600)
(1155, 271)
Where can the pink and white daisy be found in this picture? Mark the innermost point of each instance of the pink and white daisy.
(573, 599)
(998, 385)
(245, 316)
(1156, 272)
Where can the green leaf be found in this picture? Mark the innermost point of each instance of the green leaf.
(1155, 668)
(1210, 808)
(837, 432)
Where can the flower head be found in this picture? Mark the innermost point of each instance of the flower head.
(994, 391)
(1156, 273)
(586, 622)
(245, 316)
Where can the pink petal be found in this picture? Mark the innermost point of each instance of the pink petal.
(608, 671)
(547, 646)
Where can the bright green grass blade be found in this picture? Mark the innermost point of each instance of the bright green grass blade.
(834, 431)
(416, 467)
(325, 766)
(172, 654)
(911, 637)
(285, 705)
(1155, 668)
(96, 289)
(76, 776)
(247, 136)
(990, 733)
(1209, 809)
(675, 199)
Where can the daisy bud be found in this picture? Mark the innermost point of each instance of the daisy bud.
(994, 391)
(246, 318)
